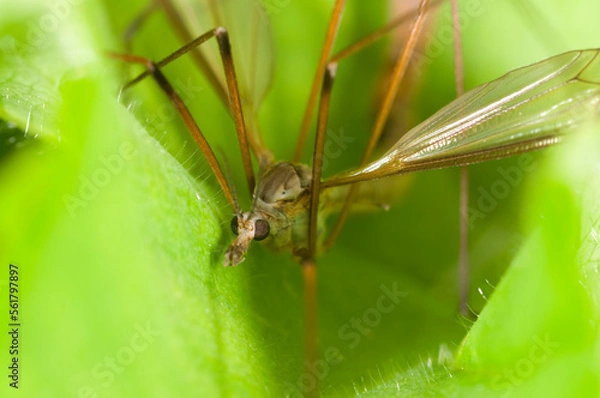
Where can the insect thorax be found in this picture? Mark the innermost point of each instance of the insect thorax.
(283, 198)
(279, 212)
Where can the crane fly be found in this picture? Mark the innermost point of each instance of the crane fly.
(527, 109)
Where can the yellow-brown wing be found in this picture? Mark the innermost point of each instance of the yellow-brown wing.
(526, 109)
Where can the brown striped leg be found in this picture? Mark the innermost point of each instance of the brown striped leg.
(185, 114)
(309, 263)
(235, 104)
(334, 23)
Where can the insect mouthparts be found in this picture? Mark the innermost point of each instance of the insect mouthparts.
(233, 256)
(236, 252)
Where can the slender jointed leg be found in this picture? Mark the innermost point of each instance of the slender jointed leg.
(334, 23)
(235, 104)
(186, 36)
(185, 114)
(137, 23)
(379, 33)
(345, 53)
(384, 111)
(309, 264)
(463, 257)
(179, 26)
(309, 271)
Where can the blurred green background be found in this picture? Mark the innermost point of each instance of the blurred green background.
(119, 230)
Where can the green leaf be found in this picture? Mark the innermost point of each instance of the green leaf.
(119, 230)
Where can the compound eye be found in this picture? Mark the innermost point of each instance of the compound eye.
(261, 229)
(234, 225)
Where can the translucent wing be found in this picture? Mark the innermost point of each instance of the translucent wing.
(251, 42)
(526, 109)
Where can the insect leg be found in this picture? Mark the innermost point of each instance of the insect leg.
(235, 103)
(379, 33)
(176, 20)
(197, 56)
(137, 23)
(463, 255)
(334, 23)
(309, 263)
(458, 61)
(317, 166)
(346, 52)
(185, 114)
(309, 272)
(222, 38)
(382, 116)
